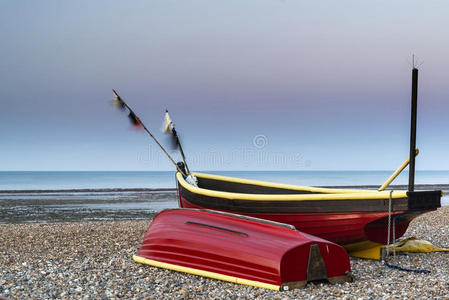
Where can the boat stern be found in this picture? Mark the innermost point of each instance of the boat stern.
(424, 200)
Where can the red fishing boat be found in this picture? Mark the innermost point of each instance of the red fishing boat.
(355, 219)
(241, 249)
(359, 220)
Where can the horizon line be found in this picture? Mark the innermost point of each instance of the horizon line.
(200, 171)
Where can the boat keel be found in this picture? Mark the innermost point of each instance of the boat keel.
(376, 253)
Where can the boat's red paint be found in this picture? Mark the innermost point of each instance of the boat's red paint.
(341, 228)
(235, 246)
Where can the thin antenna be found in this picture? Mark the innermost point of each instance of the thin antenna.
(412, 63)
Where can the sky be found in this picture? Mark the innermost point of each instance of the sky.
(250, 85)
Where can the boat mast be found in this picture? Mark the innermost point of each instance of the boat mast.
(411, 176)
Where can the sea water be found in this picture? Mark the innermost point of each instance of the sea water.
(74, 196)
(58, 180)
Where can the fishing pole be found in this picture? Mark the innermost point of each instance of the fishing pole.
(118, 101)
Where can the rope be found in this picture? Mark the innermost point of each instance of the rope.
(420, 271)
(394, 238)
(407, 270)
(389, 223)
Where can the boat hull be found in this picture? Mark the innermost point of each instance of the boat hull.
(349, 218)
(342, 228)
(241, 249)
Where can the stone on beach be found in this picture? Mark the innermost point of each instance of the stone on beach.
(92, 260)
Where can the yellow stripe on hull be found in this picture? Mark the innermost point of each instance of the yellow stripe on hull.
(277, 185)
(203, 273)
(335, 195)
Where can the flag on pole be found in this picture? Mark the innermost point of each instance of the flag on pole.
(167, 125)
(169, 128)
(135, 120)
(118, 102)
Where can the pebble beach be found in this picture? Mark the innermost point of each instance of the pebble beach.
(93, 260)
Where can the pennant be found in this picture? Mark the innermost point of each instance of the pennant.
(167, 124)
(135, 120)
(118, 102)
(169, 128)
(175, 137)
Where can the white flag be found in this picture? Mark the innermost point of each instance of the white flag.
(167, 124)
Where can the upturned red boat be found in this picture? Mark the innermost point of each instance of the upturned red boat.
(355, 219)
(241, 249)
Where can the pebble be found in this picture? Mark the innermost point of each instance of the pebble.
(93, 260)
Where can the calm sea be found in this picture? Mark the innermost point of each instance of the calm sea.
(75, 196)
(166, 179)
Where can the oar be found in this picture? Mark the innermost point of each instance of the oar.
(137, 122)
(396, 173)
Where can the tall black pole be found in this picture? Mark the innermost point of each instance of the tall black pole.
(411, 176)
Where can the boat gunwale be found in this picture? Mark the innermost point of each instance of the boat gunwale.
(325, 193)
(205, 273)
(235, 215)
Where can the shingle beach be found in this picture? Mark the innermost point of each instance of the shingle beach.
(93, 260)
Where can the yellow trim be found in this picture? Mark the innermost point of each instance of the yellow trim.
(279, 185)
(374, 252)
(357, 246)
(396, 173)
(203, 273)
(364, 194)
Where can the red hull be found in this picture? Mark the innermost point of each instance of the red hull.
(355, 219)
(208, 242)
(341, 228)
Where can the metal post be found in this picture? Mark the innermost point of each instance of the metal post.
(411, 177)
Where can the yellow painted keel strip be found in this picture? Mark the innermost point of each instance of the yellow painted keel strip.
(412, 245)
(370, 253)
(198, 272)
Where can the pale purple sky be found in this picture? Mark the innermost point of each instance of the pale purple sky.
(324, 84)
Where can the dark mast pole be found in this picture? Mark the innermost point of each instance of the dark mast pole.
(411, 176)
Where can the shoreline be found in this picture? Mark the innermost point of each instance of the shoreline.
(37, 206)
(93, 259)
(84, 206)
